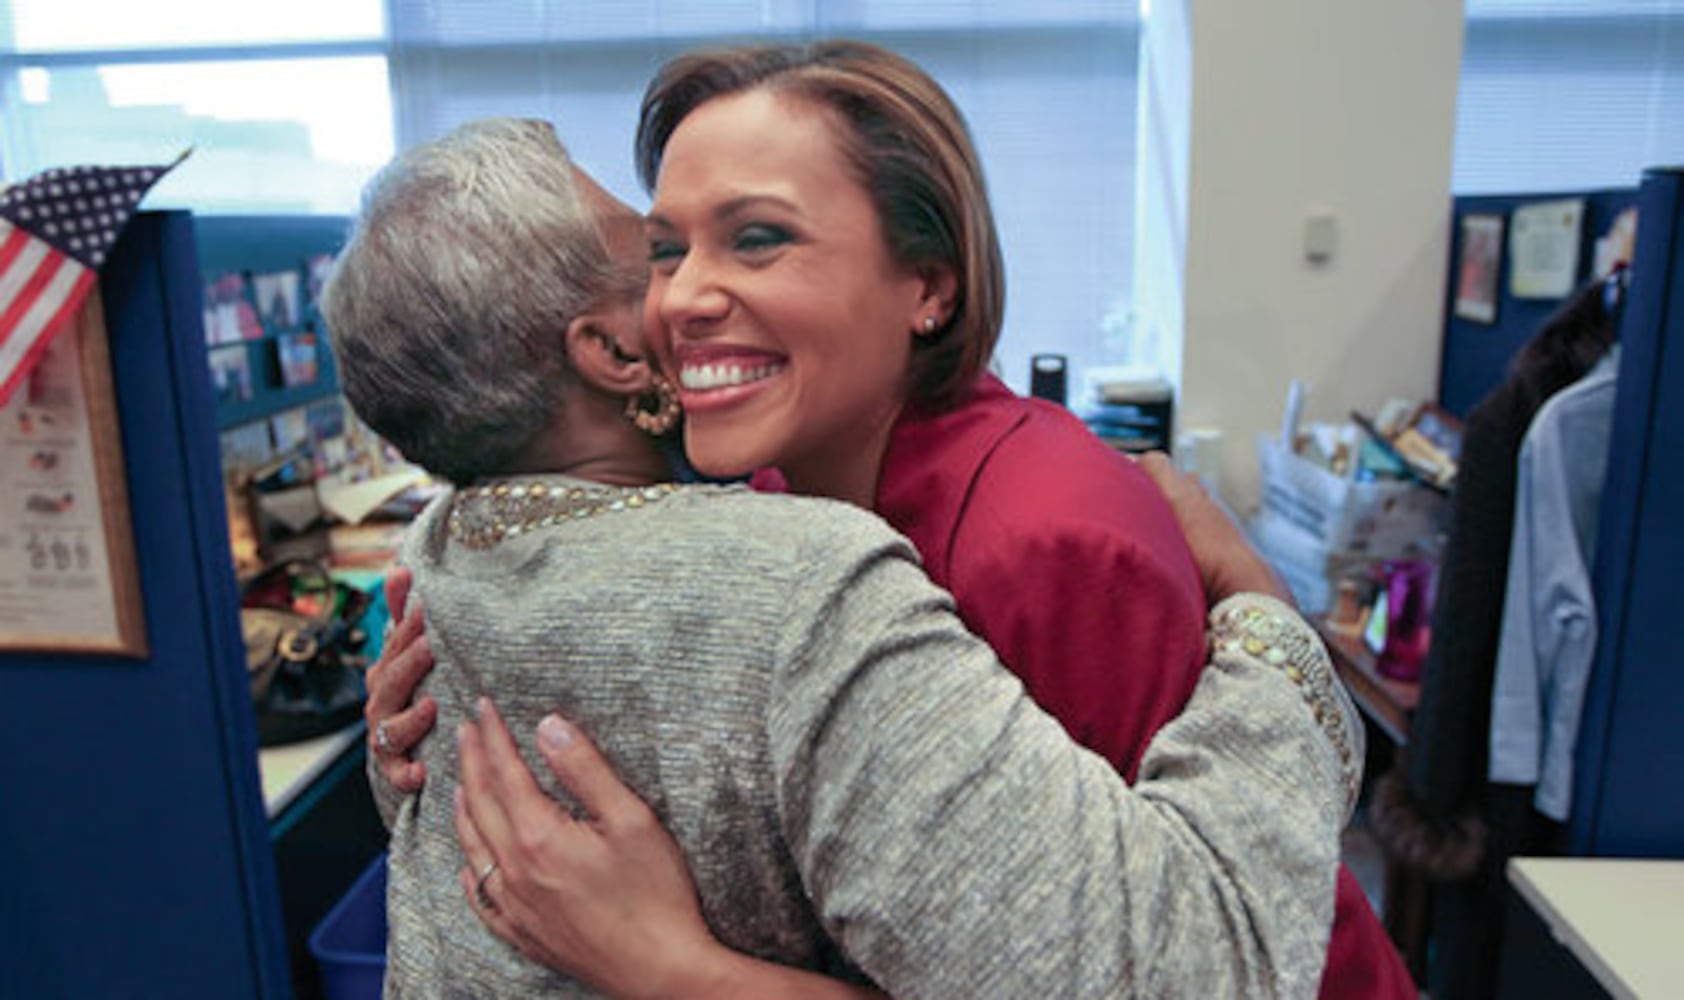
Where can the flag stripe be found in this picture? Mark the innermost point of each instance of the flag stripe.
(63, 296)
(19, 270)
(16, 240)
(21, 288)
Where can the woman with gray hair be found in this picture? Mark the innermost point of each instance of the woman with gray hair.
(838, 759)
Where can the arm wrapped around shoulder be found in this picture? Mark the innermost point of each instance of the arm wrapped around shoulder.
(1274, 634)
(957, 842)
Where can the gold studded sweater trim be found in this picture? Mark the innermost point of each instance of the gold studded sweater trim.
(1271, 632)
(483, 516)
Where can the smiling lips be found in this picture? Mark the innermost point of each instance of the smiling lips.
(723, 375)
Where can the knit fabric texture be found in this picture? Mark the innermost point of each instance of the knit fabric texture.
(849, 771)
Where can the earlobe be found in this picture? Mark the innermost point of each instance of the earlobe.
(936, 304)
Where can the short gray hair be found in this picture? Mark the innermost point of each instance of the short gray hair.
(448, 305)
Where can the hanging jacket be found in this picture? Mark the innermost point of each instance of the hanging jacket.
(1549, 614)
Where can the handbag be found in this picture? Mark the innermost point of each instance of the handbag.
(304, 645)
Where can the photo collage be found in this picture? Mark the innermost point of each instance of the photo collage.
(262, 330)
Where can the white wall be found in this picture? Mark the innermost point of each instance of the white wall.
(1294, 107)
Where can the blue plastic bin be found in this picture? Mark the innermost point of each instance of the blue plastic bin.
(350, 942)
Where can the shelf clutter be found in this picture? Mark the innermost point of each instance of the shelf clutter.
(1129, 408)
(1351, 516)
(304, 478)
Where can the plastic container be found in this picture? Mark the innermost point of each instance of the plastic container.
(350, 942)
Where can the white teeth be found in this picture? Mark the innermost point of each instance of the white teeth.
(701, 377)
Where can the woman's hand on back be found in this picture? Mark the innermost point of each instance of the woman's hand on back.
(607, 899)
(1227, 562)
(395, 725)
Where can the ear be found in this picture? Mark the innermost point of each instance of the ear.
(594, 350)
(939, 294)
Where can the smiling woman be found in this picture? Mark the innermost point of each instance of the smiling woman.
(760, 228)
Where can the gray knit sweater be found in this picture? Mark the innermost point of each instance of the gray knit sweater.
(858, 784)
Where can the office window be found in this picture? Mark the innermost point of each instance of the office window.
(1048, 87)
(1568, 94)
(287, 109)
(63, 26)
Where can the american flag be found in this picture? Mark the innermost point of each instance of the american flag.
(55, 231)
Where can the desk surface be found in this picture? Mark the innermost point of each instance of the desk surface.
(290, 769)
(1624, 920)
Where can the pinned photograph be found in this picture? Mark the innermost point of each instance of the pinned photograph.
(278, 299)
(1481, 264)
(289, 429)
(230, 368)
(297, 355)
(327, 419)
(230, 313)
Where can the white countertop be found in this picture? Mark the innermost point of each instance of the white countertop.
(1623, 919)
(288, 770)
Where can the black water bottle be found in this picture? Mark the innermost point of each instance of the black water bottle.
(1047, 377)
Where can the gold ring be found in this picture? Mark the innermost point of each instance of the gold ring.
(479, 887)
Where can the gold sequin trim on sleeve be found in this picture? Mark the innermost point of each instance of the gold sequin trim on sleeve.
(1274, 634)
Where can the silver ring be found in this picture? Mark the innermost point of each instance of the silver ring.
(479, 887)
(382, 739)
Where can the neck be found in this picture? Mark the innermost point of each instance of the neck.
(590, 438)
(849, 471)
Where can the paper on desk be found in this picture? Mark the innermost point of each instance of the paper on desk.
(350, 502)
(296, 508)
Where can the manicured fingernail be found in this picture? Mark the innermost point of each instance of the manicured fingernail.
(415, 606)
(482, 707)
(456, 796)
(554, 733)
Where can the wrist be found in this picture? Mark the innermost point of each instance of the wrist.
(1252, 575)
(704, 971)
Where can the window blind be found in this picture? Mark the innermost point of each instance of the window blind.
(1560, 95)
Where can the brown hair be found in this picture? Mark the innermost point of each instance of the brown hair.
(912, 151)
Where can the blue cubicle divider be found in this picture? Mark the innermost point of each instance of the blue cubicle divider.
(135, 857)
(1628, 797)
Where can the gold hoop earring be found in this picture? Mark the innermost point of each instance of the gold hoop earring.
(656, 411)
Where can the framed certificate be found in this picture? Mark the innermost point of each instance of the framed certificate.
(1544, 249)
(68, 580)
